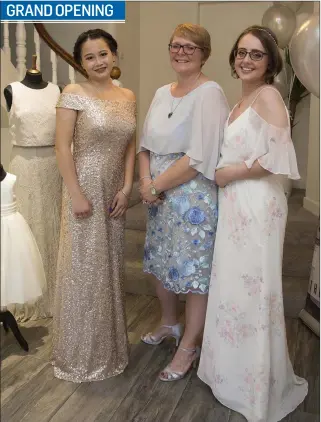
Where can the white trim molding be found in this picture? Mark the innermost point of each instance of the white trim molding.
(312, 206)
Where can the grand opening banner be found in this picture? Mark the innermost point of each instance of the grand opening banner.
(63, 11)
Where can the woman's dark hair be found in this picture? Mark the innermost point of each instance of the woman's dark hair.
(270, 43)
(94, 34)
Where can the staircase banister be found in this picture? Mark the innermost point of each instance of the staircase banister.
(53, 45)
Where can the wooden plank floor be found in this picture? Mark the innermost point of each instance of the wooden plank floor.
(30, 393)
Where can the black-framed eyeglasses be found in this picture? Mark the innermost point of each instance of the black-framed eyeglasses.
(255, 55)
(188, 49)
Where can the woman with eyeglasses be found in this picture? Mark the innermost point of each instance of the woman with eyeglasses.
(244, 356)
(179, 151)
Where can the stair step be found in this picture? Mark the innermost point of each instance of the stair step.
(136, 281)
(135, 196)
(294, 288)
(136, 217)
(134, 245)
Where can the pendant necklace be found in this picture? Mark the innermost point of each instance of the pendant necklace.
(172, 110)
(171, 113)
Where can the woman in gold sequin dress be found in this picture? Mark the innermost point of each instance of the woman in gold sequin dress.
(99, 119)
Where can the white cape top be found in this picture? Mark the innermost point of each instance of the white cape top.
(196, 127)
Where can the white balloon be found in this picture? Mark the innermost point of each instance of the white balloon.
(293, 5)
(282, 21)
(301, 18)
(287, 68)
(305, 54)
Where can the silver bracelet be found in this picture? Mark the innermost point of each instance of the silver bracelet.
(145, 177)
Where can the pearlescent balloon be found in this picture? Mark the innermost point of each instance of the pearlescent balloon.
(301, 18)
(287, 68)
(293, 5)
(305, 54)
(282, 21)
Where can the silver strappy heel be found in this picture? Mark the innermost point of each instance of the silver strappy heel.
(175, 332)
(169, 375)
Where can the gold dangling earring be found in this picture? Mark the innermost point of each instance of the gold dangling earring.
(115, 72)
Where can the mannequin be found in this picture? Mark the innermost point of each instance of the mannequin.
(31, 105)
(9, 321)
(33, 79)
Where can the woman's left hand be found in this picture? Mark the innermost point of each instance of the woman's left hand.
(119, 205)
(146, 193)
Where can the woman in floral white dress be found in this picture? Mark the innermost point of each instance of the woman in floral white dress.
(244, 354)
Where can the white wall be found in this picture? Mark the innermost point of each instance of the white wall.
(157, 23)
(312, 194)
(225, 21)
(312, 197)
(126, 34)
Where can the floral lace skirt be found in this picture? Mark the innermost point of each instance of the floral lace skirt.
(181, 232)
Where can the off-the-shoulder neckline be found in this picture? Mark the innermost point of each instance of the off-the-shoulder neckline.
(98, 99)
(257, 114)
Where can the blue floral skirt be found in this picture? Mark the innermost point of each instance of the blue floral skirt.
(181, 232)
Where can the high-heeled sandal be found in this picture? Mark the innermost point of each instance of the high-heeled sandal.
(169, 375)
(175, 332)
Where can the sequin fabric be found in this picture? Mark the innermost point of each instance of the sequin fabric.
(181, 232)
(89, 331)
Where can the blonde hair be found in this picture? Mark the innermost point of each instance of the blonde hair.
(195, 33)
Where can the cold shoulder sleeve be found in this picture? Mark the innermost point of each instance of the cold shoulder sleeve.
(274, 149)
(207, 129)
(143, 142)
(71, 101)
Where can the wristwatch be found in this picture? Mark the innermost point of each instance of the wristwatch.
(153, 190)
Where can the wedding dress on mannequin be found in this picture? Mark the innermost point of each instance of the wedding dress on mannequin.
(32, 120)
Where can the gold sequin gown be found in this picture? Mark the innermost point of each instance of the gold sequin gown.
(89, 334)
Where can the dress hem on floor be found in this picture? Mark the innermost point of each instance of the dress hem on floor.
(276, 418)
(71, 378)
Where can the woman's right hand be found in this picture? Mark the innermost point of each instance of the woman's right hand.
(81, 207)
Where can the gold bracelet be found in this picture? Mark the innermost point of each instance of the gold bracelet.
(125, 194)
